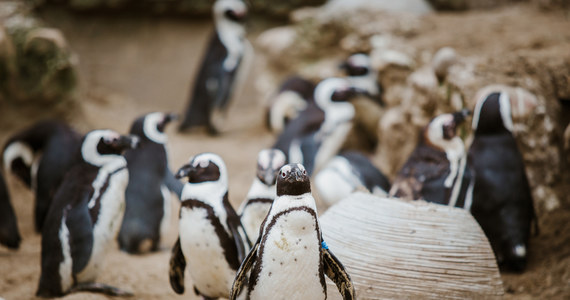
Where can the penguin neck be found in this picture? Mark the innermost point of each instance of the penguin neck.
(107, 162)
(336, 114)
(231, 35)
(261, 190)
(366, 82)
(288, 202)
(152, 133)
(453, 148)
(205, 191)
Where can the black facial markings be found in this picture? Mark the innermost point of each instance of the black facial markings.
(105, 148)
(20, 168)
(259, 200)
(231, 15)
(227, 243)
(254, 277)
(356, 70)
(209, 173)
(294, 183)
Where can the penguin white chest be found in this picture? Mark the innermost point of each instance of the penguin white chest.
(290, 259)
(208, 267)
(252, 216)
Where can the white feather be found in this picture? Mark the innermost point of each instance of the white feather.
(287, 104)
(167, 214)
(150, 128)
(65, 267)
(17, 150)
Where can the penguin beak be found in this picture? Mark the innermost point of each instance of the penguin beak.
(460, 116)
(170, 117)
(267, 176)
(184, 171)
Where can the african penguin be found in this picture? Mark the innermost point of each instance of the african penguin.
(262, 191)
(218, 75)
(346, 173)
(290, 258)
(501, 200)
(40, 155)
(85, 217)
(211, 238)
(436, 170)
(147, 212)
(361, 75)
(293, 97)
(9, 233)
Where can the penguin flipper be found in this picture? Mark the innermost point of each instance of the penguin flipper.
(241, 276)
(100, 288)
(173, 184)
(335, 271)
(177, 266)
(234, 224)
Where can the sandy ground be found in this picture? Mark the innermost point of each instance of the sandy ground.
(136, 65)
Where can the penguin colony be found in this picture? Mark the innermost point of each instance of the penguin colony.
(92, 189)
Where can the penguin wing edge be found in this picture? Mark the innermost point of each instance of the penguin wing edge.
(177, 267)
(241, 276)
(335, 271)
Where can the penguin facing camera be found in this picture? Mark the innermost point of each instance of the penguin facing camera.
(85, 216)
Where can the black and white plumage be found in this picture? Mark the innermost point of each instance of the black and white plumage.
(502, 200)
(348, 172)
(293, 96)
(318, 133)
(436, 171)
(40, 155)
(9, 233)
(290, 258)
(218, 75)
(211, 241)
(361, 75)
(85, 217)
(147, 213)
(262, 192)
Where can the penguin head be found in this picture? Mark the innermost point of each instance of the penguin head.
(334, 89)
(150, 127)
(204, 167)
(358, 64)
(269, 162)
(444, 127)
(100, 146)
(293, 180)
(492, 114)
(234, 11)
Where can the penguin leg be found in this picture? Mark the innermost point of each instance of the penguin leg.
(101, 288)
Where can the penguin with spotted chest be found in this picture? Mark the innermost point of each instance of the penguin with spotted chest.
(211, 240)
(85, 217)
(290, 259)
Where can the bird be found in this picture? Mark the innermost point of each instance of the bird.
(359, 71)
(294, 95)
(436, 171)
(85, 216)
(219, 73)
(40, 156)
(290, 259)
(501, 196)
(212, 241)
(346, 173)
(147, 212)
(262, 191)
(9, 233)
(318, 133)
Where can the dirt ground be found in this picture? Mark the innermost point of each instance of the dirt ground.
(133, 65)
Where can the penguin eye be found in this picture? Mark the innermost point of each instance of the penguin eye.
(304, 172)
(283, 174)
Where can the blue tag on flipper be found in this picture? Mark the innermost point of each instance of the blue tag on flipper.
(324, 245)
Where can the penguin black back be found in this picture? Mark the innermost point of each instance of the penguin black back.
(9, 233)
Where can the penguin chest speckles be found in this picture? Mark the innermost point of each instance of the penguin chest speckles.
(202, 248)
(253, 215)
(108, 219)
(290, 259)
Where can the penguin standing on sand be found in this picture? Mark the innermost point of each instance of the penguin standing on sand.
(290, 258)
(436, 170)
(40, 156)
(262, 192)
(293, 96)
(361, 75)
(147, 214)
(501, 201)
(9, 233)
(211, 241)
(346, 173)
(218, 74)
(85, 217)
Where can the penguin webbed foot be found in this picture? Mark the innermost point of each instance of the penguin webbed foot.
(101, 288)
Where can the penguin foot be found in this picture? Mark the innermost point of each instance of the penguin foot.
(101, 288)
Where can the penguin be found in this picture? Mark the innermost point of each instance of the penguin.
(346, 173)
(313, 148)
(218, 75)
(147, 212)
(501, 196)
(9, 233)
(290, 258)
(85, 216)
(262, 191)
(293, 96)
(40, 155)
(212, 241)
(360, 74)
(436, 171)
